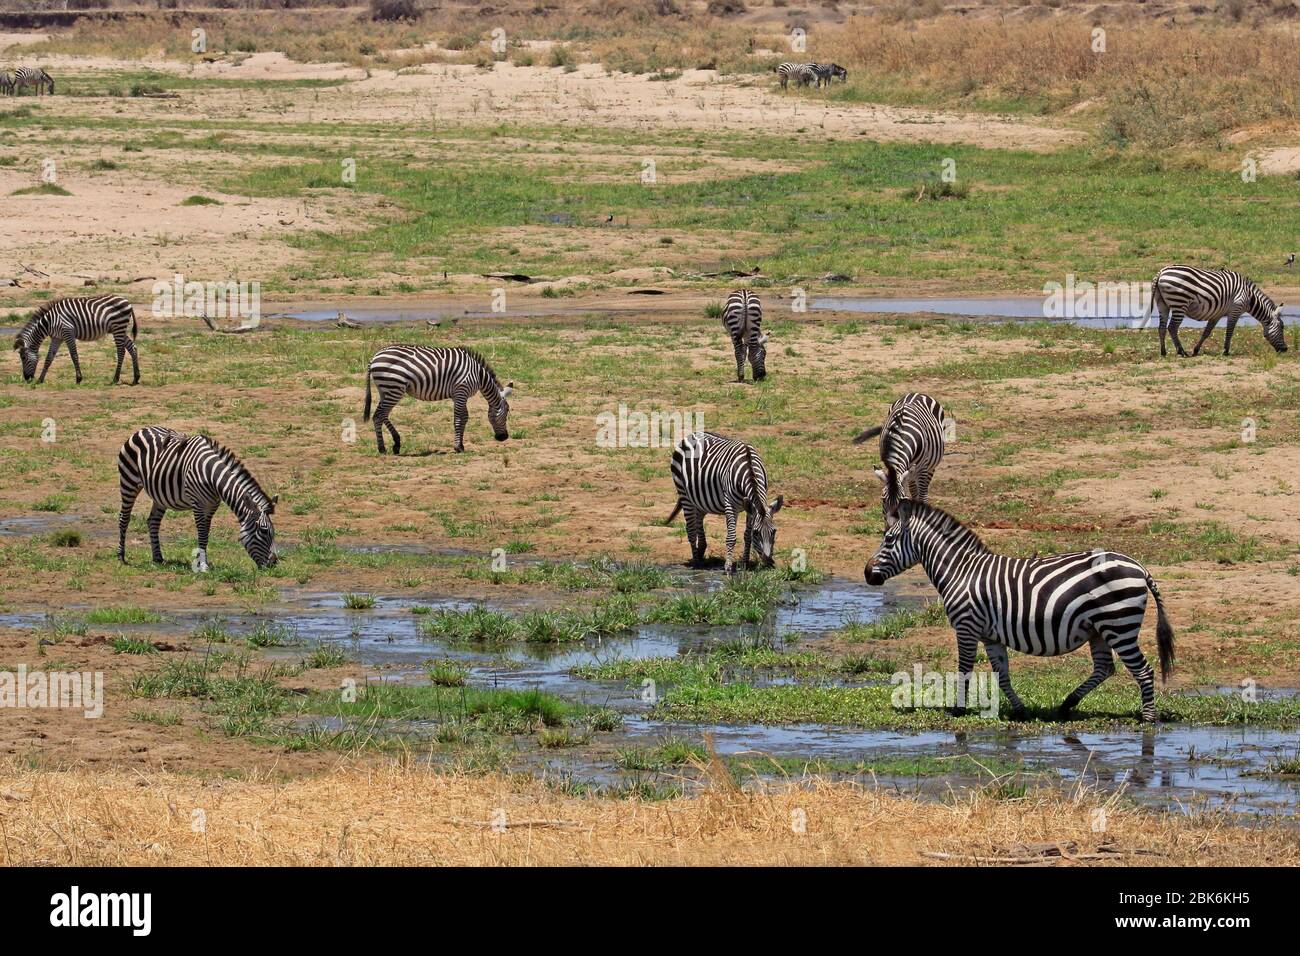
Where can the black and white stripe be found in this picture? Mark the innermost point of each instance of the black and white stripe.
(716, 475)
(33, 77)
(435, 374)
(801, 73)
(193, 473)
(911, 447)
(6, 84)
(1208, 295)
(1041, 606)
(78, 318)
(743, 318)
(825, 72)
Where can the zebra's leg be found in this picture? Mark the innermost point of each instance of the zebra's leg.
(119, 343)
(749, 538)
(921, 483)
(155, 523)
(1126, 646)
(1103, 665)
(730, 511)
(1002, 667)
(49, 357)
(380, 420)
(1164, 327)
(1205, 334)
(1176, 320)
(76, 361)
(1228, 330)
(967, 644)
(695, 534)
(202, 525)
(135, 362)
(741, 351)
(129, 494)
(460, 417)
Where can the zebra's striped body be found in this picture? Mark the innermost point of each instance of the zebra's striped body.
(743, 318)
(803, 74)
(6, 84)
(193, 473)
(79, 318)
(825, 72)
(434, 374)
(1041, 606)
(911, 447)
(1208, 295)
(28, 76)
(716, 475)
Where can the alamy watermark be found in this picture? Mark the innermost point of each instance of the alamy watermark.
(636, 429)
(66, 690)
(919, 688)
(241, 301)
(1081, 299)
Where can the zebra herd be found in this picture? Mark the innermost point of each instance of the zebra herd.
(810, 74)
(1045, 606)
(12, 84)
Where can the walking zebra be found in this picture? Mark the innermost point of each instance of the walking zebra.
(193, 473)
(78, 317)
(433, 375)
(1207, 295)
(716, 475)
(825, 72)
(1042, 606)
(911, 447)
(33, 76)
(743, 318)
(6, 84)
(802, 73)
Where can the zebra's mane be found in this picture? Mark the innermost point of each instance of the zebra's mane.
(1261, 296)
(478, 356)
(230, 458)
(945, 524)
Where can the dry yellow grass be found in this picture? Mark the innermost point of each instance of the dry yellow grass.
(399, 815)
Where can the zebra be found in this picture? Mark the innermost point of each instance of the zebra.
(78, 317)
(743, 318)
(433, 374)
(801, 73)
(6, 83)
(33, 76)
(1207, 295)
(911, 447)
(193, 473)
(1043, 606)
(716, 475)
(825, 72)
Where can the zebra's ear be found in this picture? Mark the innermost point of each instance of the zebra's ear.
(775, 506)
(762, 339)
(508, 390)
(879, 473)
(270, 508)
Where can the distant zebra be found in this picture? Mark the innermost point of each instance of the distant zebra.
(1042, 606)
(743, 318)
(716, 475)
(193, 473)
(825, 72)
(6, 84)
(1207, 295)
(33, 76)
(84, 318)
(911, 447)
(435, 374)
(802, 73)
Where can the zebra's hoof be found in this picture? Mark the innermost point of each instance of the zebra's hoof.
(957, 712)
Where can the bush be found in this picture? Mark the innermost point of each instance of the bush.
(394, 10)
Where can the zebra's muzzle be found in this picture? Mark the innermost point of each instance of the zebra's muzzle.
(873, 576)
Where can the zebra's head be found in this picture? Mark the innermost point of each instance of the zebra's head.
(1273, 330)
(896, 553)
(28, 355)
(758, 357)
(499, 410)
(257, 534)
(763, 529)
(840, 72)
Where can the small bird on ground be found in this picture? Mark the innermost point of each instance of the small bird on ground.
(1290, 260)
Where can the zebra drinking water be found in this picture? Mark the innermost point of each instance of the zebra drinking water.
(435, 374)
(1207, 295)
(28, 76)
(193, 473)
(911, 447)
(1042, 606)
(716, 475)
(84, 318)
(743, 318)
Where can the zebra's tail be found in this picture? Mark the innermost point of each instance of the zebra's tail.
(1164, 633)
(869, 433)
(135, 326)
(669, 519)
(365, 415)
(1155, 294)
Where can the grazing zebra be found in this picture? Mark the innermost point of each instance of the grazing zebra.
(193, 473)
(715, 475)
(825, 72)
(1042, 606)
(1207, 295)
(802, 73)
(78, 317)
(6, 84)
(743, 318)
(33, 76)
(911, 447)
(433, 375)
